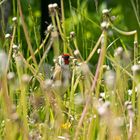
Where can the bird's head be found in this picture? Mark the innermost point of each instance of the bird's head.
(64, 59)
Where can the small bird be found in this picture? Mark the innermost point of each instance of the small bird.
(61, 74)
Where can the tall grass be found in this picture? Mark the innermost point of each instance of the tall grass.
(99, 104)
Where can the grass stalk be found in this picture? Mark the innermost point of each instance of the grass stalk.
(26, 33)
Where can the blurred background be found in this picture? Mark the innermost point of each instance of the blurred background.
(82, 16)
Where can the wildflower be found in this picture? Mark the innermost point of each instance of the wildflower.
(66, 125)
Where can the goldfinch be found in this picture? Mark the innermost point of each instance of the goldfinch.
(61, 74)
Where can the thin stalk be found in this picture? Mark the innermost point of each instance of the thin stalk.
(26, 34)
(63, 24)
(56, 39)
(123, 32)
(10, 49)
(33, 71)
(23, 102)
(101, 59)
(97, 75)
(135, 11)
(40, 47)
(76, 47)
(45, 53)
(94, 49)
(1, 2)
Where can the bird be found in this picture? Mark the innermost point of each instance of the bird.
(61, 74)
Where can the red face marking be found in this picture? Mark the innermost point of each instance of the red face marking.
(66, 58)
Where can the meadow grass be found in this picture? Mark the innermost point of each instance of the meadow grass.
(101, 103)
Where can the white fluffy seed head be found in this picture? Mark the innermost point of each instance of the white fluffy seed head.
(105, 11)
(10, 75)
(7, 36)
(3, 62)
(14, 19)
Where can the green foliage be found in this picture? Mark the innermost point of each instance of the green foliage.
(99, 100)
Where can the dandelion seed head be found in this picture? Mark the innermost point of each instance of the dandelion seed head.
(78, 100)
(118, 52)
(25, 78)
(98, 51)
(104, 25)
(3, 62)
(110, 78)
(76, 52)
(14, 19)
(7, 36)
(72, 34)
(10, 75)
(105, 11)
